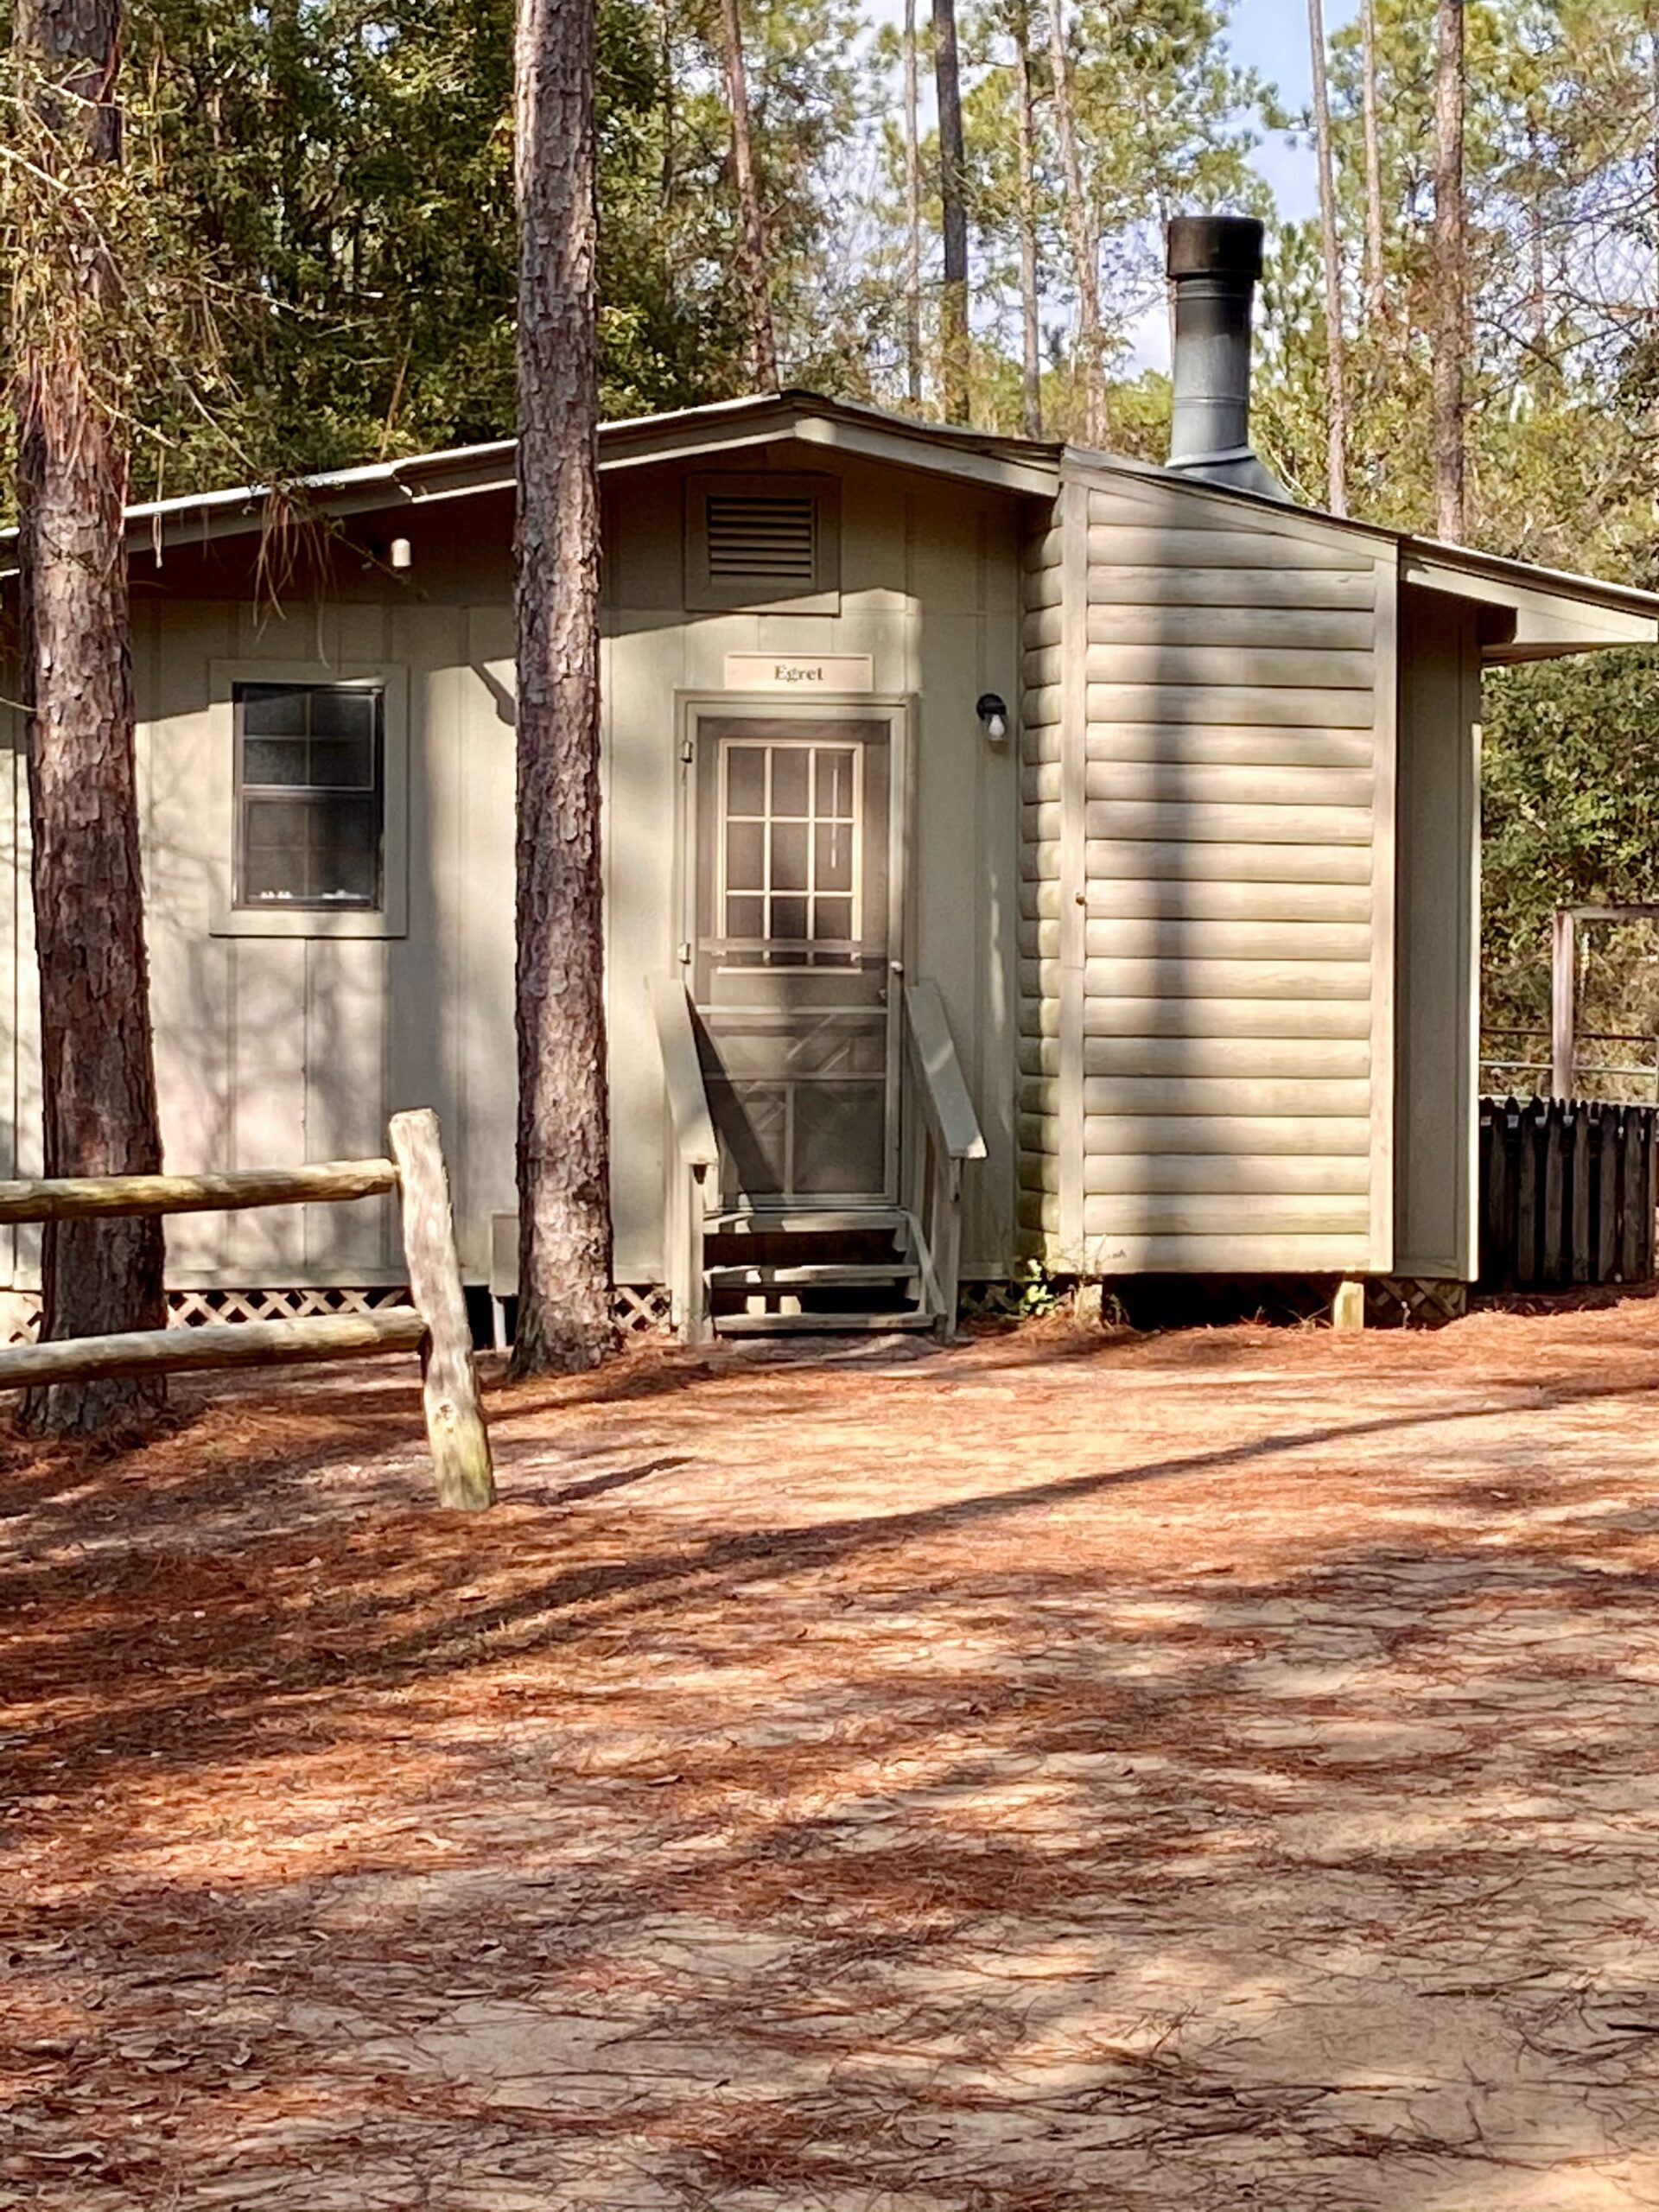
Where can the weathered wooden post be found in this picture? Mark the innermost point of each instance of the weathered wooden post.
(454, 1422)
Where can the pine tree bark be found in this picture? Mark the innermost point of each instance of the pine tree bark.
(1376, 290)
(1450, 335)
(754, 266)
(954, 359)
(1085, 244)
(913, 215)
(97, 1063)
(564, 1221)
(1026, 124)
(1336, 379)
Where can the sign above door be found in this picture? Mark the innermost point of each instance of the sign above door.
(803, 672)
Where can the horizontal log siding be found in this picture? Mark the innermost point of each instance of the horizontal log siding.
(1045, 618)
(1236, 686)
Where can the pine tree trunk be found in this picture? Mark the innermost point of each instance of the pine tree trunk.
(953, 204)
(564, 1225)
(1538, 288)
(97, 1063)
(1451, 313)
(754, 262)
(1335, 370)
(1376, 292)
(1085, 245)
(1031, 335)
(913, 215)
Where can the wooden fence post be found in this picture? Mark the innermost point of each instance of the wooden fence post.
(1605, 1137)
(1555, 1264)
(1632, 1195)
(1579, 1162)
(1526, 1199)
(454, 1422)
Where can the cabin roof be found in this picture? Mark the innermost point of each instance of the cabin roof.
(1530, 611)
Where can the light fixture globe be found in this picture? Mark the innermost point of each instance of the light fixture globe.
(993, 711)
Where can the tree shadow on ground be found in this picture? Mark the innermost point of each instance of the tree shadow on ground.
(1233, 1825)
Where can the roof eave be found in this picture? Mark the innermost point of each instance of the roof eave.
(1543, 614)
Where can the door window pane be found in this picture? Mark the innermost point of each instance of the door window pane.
(790, 852)
(832, 919)
(789, 779)
(746, 779)
(834, 782)
(746, 856)
(788, 857)
(833, 869)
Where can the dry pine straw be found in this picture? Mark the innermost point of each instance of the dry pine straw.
(1206, 1771)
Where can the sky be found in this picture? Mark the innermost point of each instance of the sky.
(1270, 36)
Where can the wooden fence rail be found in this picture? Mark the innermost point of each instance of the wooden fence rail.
(435, 1321)
(1567, 1193)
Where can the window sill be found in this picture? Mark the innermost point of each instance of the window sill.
(308, 922)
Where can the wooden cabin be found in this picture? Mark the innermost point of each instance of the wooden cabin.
(1011, 853)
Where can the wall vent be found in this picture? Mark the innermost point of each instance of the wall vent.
(762, 540)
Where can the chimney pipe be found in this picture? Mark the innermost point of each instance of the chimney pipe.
(1214, 261)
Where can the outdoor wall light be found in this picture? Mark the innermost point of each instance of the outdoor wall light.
(993, 712)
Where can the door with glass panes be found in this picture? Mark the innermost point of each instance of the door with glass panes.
(794, 951)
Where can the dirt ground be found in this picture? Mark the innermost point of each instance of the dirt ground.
(1055, 1774)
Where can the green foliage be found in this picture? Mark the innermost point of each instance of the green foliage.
(1571, 799)
(316, 231)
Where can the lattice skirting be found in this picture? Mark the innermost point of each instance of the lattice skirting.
(639, 1307)
(1408, 1301)
(989, 1301)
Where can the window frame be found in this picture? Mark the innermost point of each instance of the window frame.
(388, 916)
(704, 593)
(309, 794)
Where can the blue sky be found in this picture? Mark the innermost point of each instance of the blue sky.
(1271, 36)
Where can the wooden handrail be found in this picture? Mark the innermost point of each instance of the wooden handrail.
(688, 1102)
(944, 1092)
(951, 1133)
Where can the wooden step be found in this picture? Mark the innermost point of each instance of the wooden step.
(825, 1275)
(818, 1324)
(761, 1222)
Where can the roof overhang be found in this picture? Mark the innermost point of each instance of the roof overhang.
(1531, 614)
(725, 427)
(1526, 613)
(1015, 465)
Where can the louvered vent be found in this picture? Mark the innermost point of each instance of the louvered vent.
(762, 537)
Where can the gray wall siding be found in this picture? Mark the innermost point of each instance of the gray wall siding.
(1437, 983)
(1216, 968)
(931, 590)
(1044, 628)
(272, 1049)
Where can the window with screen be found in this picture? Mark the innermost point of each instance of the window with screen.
(790, 852)
(310, 803)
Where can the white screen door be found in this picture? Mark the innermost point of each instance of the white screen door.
(793, 937)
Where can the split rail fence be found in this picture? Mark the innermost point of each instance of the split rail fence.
(1568, 1193)
(434, 1323)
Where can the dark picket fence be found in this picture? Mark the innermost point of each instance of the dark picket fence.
(1567, 1193)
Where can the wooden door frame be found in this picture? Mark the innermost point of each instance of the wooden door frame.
(898, 710)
